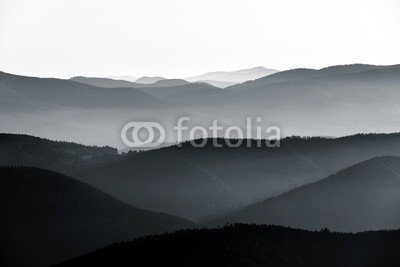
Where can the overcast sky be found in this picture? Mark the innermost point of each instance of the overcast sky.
(179, 38)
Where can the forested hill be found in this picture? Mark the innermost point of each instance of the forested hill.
(252, 245)
(64, 157)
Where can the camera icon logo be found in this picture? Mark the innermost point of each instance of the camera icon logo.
(155, 134)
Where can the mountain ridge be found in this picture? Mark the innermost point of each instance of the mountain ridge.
(58, 93)
(237, 76)
(304, 73)
(149, 79)
(105, 82)
(358, 198)
(217, 183)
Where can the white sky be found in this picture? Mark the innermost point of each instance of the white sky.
(179, 38)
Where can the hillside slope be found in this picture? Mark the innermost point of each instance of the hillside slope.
(237, 76)
(200, 183)
(58, 94)
(104, 82)
(304, 74)
(362, 197)
(48, 217)
(63, 157)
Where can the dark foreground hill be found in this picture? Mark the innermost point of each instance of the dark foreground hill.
(48, 217)
(251, 245)
(363, 197)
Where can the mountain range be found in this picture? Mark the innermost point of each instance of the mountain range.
(105, 82)
(149, 80)
(122, 77)
(31, 93)
(346, 184)
(334, 101)
(225, 78)
(200, 184)
(219, 79)
(304, 74)
(359, 198)
(211, 181)
(112, 83)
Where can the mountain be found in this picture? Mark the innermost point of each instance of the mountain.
(125, 78)
(335, 101)
(64, 157)
(59, 94)
(149, 80)
(104, 82)
(111, 83)
(362, 197)
(198, 183)
(73, 111)
(335, 105)
(330, 90)
(202, 183)
(48, 217)
(218, 84)
(238, 76)
(169, 83)
(115, 83)
(304, 74)
(251, 245)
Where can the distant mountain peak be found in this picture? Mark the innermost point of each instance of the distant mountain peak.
(149, 79)
(237, 76)
(170, 82)
(123, 77)
(104, 82)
